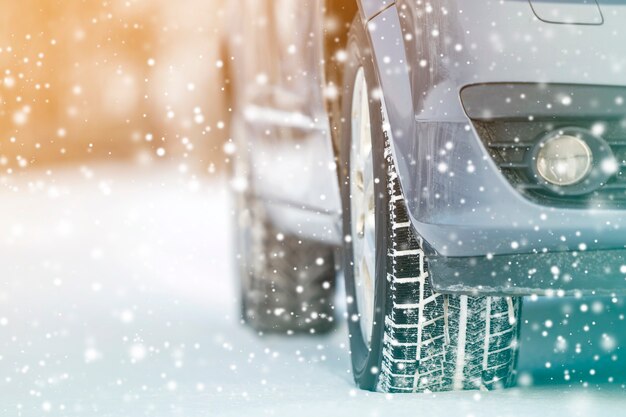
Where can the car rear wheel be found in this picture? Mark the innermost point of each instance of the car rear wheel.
(287, 283)
(404, 337)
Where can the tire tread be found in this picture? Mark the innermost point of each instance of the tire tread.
(285, 287)
(422, 332)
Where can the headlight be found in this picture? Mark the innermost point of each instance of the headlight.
(564, 160)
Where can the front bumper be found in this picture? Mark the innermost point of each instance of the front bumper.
(465, 209)
(464, 206)
(490, 231)
(479, 195)
(556, 274)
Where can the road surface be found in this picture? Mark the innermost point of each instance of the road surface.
(117, 298)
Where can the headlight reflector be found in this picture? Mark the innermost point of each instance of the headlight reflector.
(564, 160)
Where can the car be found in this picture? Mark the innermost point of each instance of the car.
(446, 160)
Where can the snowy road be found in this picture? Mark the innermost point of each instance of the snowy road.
(117, 299)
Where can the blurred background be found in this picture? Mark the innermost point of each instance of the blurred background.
(133, 80)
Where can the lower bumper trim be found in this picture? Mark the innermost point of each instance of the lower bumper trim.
(552, 273)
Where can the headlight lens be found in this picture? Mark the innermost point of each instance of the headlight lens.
(564, 160)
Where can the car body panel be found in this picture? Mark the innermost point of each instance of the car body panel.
(283, 140)
(459, 201)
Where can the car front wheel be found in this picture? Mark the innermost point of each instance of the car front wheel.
(405, 337)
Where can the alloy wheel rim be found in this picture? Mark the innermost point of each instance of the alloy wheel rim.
(362, 205)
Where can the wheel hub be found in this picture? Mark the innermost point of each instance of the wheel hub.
(362, 204)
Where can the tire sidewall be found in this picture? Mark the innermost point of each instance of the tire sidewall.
(366, 360)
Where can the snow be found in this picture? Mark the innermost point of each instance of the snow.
(117, 298)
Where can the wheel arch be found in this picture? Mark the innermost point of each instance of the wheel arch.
(386, 39)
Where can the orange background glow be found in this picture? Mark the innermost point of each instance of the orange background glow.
(132, 79)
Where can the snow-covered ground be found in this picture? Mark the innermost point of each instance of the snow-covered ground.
(117, 298)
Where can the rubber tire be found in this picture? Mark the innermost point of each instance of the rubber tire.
(287, 283)
(421, 341)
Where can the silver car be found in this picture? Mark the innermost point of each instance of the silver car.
(446, 158)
